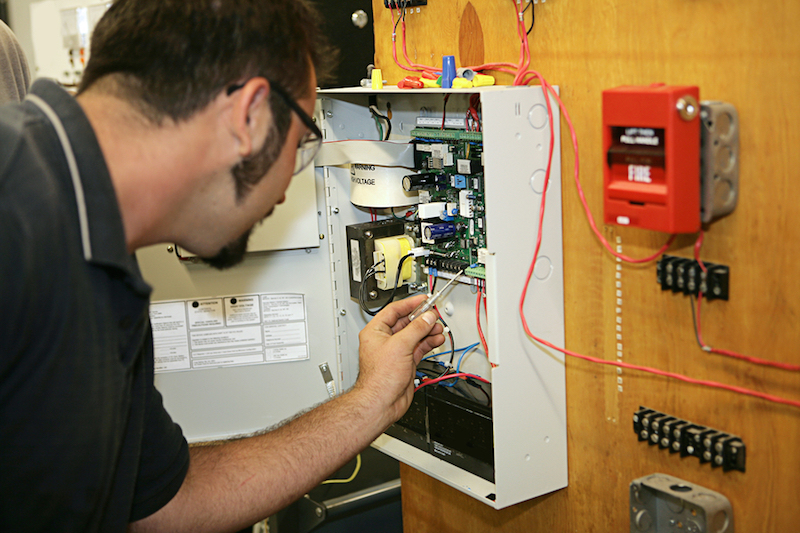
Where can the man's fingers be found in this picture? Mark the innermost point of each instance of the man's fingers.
(428, 343)
(414, 332)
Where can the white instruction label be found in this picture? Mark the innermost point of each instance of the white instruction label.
(229, 331)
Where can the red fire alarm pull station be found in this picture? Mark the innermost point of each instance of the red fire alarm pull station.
(651, 138)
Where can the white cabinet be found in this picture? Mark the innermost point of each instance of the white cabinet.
(528, 406)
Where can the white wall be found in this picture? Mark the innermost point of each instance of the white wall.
(38, 26)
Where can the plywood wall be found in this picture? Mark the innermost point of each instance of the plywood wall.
(743, 52)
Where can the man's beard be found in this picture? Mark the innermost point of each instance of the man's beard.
(246, 174)
(231, 255)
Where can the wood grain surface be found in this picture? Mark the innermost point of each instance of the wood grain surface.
(745, 53)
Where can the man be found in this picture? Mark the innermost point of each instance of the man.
(185, 130)
(14, 74)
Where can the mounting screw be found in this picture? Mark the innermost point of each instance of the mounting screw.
(687, 107)
(359, 18)
(343, 312)
(170, 248)
(368, 234)
(335, 210)
(329, 114)
(318, 511)
(373, 295)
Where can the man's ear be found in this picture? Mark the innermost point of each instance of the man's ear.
(251, 115)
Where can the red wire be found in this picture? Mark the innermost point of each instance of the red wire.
(405, 53)
(478, 319)
(750, 359)
(394, 44)
(529, 76)
(680, 377)
(413, 67)
(449, 376)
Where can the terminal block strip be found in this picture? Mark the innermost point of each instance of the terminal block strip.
(689, 439)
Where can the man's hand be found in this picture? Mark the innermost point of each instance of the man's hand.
(390, 349)
(244, 480)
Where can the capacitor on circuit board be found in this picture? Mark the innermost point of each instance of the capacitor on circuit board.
(439, 232)
(426, 181)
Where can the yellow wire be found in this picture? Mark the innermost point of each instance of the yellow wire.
(351, 478)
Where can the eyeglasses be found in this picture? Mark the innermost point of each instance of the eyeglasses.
(310, 142)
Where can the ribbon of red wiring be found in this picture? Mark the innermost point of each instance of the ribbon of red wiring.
(464, 375)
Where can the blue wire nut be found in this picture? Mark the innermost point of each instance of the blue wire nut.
(448, 71)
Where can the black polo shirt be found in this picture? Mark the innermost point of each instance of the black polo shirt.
(85, 442)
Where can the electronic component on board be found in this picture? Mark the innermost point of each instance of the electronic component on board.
(432, 233)
(425, 181)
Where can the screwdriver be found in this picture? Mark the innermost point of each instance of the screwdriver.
(432, 299)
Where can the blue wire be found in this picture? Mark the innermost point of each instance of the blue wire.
(452, 351)
(458, 366)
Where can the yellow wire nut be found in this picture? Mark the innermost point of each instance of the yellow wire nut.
(429, 84)
(482, 80)
(461, 83)
(377, 78)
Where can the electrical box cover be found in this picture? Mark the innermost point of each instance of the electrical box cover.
(651, 140)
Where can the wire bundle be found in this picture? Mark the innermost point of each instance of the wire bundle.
(371, 271)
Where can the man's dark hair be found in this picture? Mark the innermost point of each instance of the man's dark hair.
(171, 58)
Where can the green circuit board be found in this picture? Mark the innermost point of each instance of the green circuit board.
(458, 162)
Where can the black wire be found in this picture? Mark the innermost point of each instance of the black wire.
(450, 333)
(477, 385)
(386, 120)
(402, 6)
(370, 272)
(694, 323)
(533, 16)
(444, 108)
(391, 297)
(394, 32)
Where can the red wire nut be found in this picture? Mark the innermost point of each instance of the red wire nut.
(410, 82)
